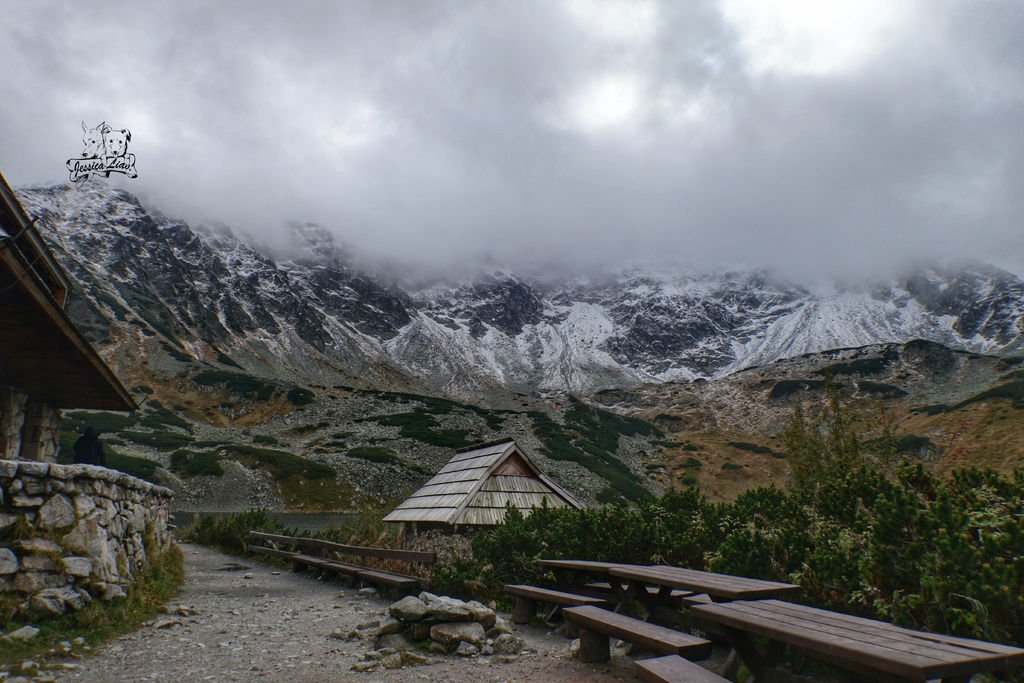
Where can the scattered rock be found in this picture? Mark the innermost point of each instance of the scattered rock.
(408, 609)
(24, 634)
(507, 644)
(366, 665)
(420, 630)
(368, 591)
(368, 624)
(500, 627)
(466, 649)
(451, 633)
(166, 622)
(344, 634)
(393, 641)
(392, 661)
(414, 658)
(389, 625)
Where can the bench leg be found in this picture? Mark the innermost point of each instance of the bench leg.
(594, 646)
(571, 629)
(526, 609)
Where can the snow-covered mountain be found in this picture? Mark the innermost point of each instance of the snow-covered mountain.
(181, 291)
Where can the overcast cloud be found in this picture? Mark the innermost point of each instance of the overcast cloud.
(814, 137)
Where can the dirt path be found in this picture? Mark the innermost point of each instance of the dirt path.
(275, 626)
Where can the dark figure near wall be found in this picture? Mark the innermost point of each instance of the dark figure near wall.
(89, 449)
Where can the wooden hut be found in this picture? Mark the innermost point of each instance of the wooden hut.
(475, 487)
(45, 362)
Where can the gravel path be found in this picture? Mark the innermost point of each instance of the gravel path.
(254, 622)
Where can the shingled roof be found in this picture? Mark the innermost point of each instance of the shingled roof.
(476, 485)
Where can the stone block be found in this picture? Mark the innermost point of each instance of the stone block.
(8, 561)
(34, 469)
(57, 512)
(37, 545)
(77, 566)
(39, 563)
(8, 468)
(33, 582)
(21, 500)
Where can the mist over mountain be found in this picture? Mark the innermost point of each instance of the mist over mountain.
(201, 293)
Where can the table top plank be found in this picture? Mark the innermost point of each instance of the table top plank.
(581, 565)
(805, 628)
(949, 645)
(894, 638)
(715, 585)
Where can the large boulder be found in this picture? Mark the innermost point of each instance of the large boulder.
(449, 609)
(450, 634)
(409, 608)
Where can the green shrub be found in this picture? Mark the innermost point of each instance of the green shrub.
(752, 447)
(230, 533)
(373, 454)
(237, 383)
(692, 462)
(164, 441)
(165, 418)
(191, 463)
(421, 426)
(788, 387)
(300, 397)
(880, 389)
(731, 466)
(104, 423)
(860, 366)
(280, 464)
(1011, 390)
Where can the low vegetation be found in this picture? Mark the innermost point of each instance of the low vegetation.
(100, 621)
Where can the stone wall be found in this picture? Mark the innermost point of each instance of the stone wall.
(29, 430)
(72, 533)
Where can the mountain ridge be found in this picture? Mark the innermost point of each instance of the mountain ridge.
(316, 316)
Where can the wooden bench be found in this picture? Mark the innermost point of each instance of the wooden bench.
(674, 669)
(596, 625)
(398, 582)
(527, 598)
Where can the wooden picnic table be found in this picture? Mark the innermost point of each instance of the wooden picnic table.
(719, 587)
(866, 646)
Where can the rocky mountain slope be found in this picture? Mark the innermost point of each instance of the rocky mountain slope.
(946, 408)
(309, 382)
(204, 294)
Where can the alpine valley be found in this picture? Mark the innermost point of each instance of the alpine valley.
(307, 380)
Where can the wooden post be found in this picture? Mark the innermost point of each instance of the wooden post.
(526, 609)
(594, 646)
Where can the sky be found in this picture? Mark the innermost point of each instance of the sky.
(846, 137)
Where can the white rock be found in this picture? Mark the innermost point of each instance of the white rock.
(24, 633)
(8, 561)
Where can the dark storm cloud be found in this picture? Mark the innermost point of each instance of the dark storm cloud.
(539, 132)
